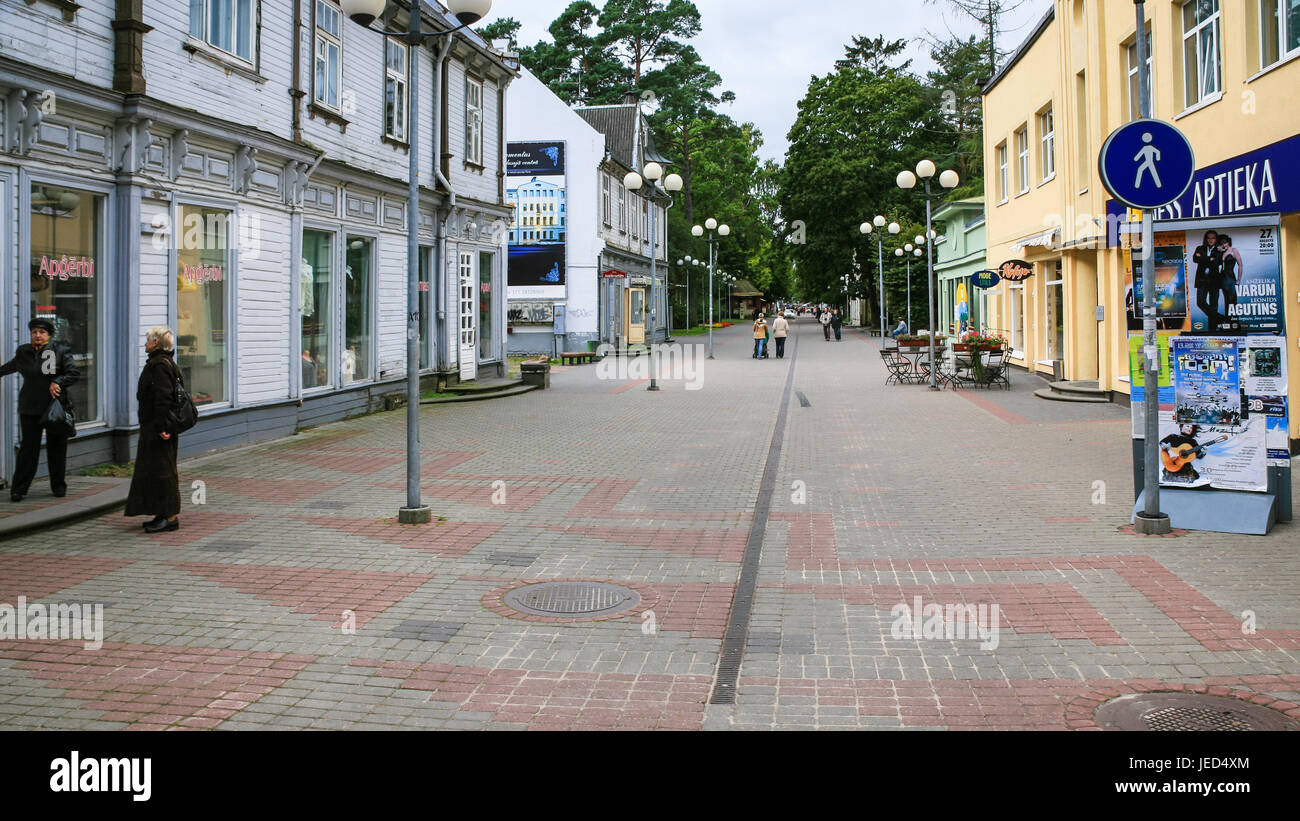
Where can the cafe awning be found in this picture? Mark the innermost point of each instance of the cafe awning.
(1046, 238)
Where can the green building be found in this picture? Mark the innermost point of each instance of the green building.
(959, 252)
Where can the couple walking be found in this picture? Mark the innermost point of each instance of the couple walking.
(1218, 270)
(780, 329)
(831, 321)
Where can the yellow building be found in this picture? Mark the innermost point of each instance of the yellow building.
(1227, 75)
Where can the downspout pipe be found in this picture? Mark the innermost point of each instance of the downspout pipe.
(441, 51)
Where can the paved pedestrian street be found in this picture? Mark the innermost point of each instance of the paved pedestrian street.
(779, 516)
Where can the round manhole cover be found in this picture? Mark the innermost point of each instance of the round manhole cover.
(1187, 712)
(571, 599)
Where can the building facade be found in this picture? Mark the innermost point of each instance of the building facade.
(238, 171)
(1223, 74)
(959, 251)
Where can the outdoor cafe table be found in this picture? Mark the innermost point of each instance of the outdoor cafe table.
(917, 358)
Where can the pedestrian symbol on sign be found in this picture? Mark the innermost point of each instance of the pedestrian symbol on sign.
(1149, 155)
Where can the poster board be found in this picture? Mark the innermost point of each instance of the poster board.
(537, 189)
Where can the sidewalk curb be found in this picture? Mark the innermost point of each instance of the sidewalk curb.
(63, 513)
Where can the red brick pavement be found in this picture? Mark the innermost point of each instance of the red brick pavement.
(545, 700)
(698, 608)
(358, 464)
(1057, 609)
(446, 539)
(722, 544)
(38, 502)
(195, 525)
(274, 491)
(518, 497)
(36, 576)
(323, 593)
(154, 687)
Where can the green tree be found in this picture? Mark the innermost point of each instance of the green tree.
(647, 32)
(506, 28)
(955, 85)
(576, 66)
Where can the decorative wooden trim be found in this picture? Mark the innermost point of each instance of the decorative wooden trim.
(315, 109)
(68, 7)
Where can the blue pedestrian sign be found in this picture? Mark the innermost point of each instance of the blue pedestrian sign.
(1146, 164)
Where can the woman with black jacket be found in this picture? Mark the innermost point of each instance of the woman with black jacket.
(48, 370)
(155, 484)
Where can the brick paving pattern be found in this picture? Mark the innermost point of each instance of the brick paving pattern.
(293, 599)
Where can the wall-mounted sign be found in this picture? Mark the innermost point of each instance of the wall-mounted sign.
(1015, 270)
(524, 159)
(614, 273)
(985, 279)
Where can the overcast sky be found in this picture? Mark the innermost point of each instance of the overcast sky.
(767, 50)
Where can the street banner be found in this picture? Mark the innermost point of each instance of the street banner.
(1212, 281)
(1226, 457)
(1207, 381)
(537, 190)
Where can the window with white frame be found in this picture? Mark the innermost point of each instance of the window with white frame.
(607, 201)
(395, 82)
(230, 25)
(1022, 158)
(1047, 139)
(622, 209)
(473, 121)
(329, 55)
(1201, 69)
(1017, 320)
(1003, 186)
(1134, 91)
(1279, 30)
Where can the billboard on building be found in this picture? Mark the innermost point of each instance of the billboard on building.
(537, 190)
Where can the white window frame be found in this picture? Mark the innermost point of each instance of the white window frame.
(1130, 51)
(245, 14)
(1016, 309)
(608, 209)
(473, 121)
(1282, 31)
(1047, 144)
(1022, 158)
(622, 210)
(397, 78)
(1004, 182)
(323, 40)
(1202, 68)
(1049, 330)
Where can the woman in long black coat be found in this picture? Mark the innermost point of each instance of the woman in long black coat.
(155, 484)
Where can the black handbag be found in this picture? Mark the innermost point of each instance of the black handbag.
(58, 417)
(182, 415)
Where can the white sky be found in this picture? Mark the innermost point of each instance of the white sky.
(767, 50)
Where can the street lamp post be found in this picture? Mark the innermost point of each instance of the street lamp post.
(363, 13)
(866, 228)
(632, 181)
(698, 231)
(907, 252)
(907, 180)
(684, 263)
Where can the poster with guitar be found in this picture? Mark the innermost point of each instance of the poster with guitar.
(1227, 457)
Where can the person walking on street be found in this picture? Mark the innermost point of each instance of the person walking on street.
(780, 330)
(48, 370)
(825, 320)
(836, 322)
(760, 336)
(155, 484)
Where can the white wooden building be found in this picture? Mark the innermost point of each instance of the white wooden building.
(238, 171)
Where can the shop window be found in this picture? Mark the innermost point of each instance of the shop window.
(395, 83)
(67, 253)
(485, 305)
(202, 266)
(426, 307)
(1201, 68)
(315, 291)
(358, 332)
(230, 25)
(1134, 90)
(1018, 320)
(329, 54)
(1279, 23)
(1054, 304)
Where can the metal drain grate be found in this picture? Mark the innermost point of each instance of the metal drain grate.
(572, 599)
(1188, 712)
(1194, 718)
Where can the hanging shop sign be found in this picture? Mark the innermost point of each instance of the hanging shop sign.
(1015, 270)
(614, 273)
(985, 279)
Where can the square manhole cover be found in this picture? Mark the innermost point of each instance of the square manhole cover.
(571, 599)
